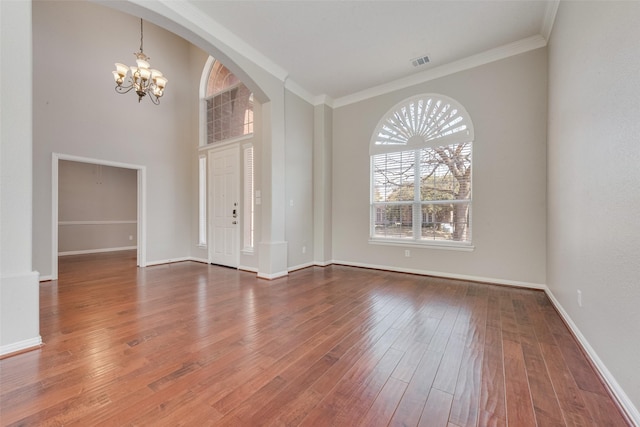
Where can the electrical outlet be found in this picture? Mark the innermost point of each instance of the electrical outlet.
(304, 249)
(130, 237)
(579, 298)
(407, 253)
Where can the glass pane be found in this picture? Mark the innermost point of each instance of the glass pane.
(446, 172)
(393, 176)
(393, 221)
(449, 221)
(232, 113)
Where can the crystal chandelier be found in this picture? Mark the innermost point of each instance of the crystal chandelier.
(141, 77)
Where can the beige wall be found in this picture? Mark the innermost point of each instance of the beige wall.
(507, 104)
(97, 207)
(594, 179)
(299, 183)
(77, 113)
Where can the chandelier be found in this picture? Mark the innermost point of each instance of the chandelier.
(141, 77)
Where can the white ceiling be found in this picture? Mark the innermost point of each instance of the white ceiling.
(340, 48)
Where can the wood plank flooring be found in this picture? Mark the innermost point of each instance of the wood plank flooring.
(192, 344)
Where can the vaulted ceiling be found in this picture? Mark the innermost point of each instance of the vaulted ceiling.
(340, 49)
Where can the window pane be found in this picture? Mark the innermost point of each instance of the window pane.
(231, 112)
(393, 176)
(229, 106)
(445, 172)
(393, 221)
(448, 221)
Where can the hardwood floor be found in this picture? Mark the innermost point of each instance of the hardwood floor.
(193, 344)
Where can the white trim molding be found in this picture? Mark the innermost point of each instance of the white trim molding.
(141, 205)
(492, 55)
(272, 276)
(624, 402)
(96, 251)
(96, 222)
(18, 347)
(301, 266)
(481, 279)
(168, 261)
(549, 19)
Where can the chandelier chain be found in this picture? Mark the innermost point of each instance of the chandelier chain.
(141, 51)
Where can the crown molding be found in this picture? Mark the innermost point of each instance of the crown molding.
(492, 55)
(549, 19)
(193, 21)
(324, 100)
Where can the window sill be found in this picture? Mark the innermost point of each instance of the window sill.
(449, 246)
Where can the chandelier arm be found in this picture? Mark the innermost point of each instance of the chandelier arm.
(124, 89)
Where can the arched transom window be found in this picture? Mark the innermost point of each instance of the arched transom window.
(229, 106)
(421, 173)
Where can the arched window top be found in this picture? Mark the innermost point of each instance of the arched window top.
(426, 120)
(227, 105)
(220, 78)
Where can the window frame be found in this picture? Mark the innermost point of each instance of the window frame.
(459, 130)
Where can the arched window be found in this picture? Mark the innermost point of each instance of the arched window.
(421, 173)
(229, 106)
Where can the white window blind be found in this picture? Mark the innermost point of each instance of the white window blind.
(248, 224)
(202, 200)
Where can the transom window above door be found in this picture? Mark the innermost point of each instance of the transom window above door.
(229, 106)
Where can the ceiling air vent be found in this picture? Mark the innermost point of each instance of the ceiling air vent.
(417, 62)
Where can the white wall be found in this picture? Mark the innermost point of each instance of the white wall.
(594, 179)
(19, 302)
(507, 103)
(77, 112)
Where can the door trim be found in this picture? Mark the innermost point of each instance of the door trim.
(142, 206)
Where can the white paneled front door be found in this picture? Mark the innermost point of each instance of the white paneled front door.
(224, 211)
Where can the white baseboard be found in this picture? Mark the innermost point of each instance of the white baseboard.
(247, 268)
(489, 280)
(97, 251)
(20, 346)
(272, 276)
(46, 278)
(323, 263)
(300, 266)
(624, 401)
(196, 259)
(168, 261)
